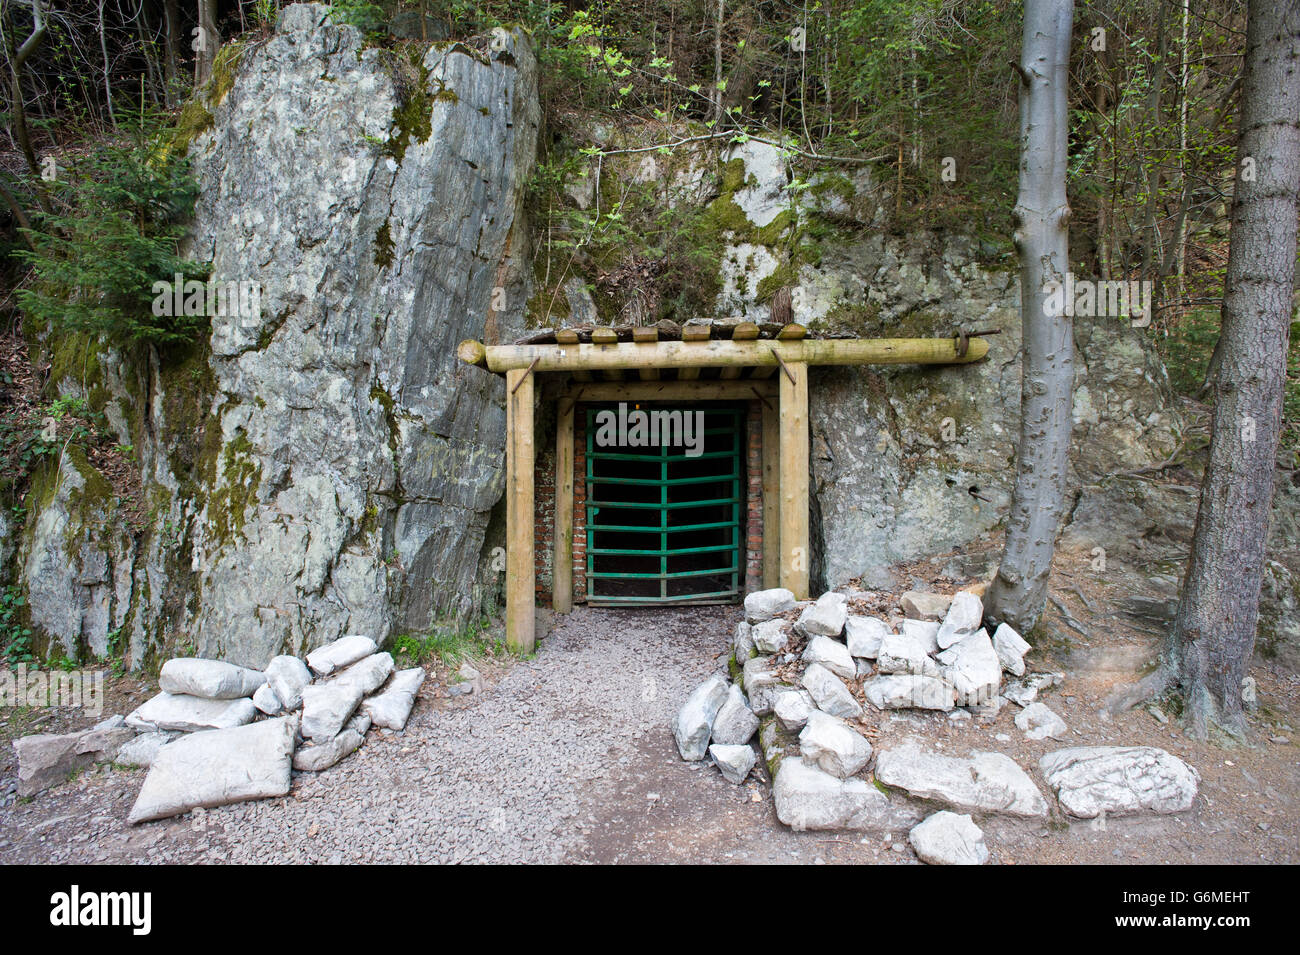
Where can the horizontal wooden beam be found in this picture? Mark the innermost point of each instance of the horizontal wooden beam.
(722, 353)
(672, 391)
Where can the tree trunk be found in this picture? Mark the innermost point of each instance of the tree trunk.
(1213, 633)
(171, 36)
(207, 40)
(1019, 591)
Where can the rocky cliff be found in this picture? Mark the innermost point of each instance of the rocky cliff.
(328, 466)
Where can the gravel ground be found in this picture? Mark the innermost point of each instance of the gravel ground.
(568, 758)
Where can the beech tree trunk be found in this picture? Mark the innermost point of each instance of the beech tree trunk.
(1213, 634)
(209, 41)
(1042, 213)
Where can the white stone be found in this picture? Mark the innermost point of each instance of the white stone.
(835, 746)
(829, 693)
(831, 654)
(824, 618)
(761, 684)
(177, 711)
(341, 653)
(367, 674)
(392, 708)
(971, 666)
(919, 605)
(210, 679)
(1040, 722)
(963, 618)
(287, 676)
(922, 630)
(1119, 780)
(807, 798)
(326, 708)
(217, 767)
(694, 722)
(143, 750)
(266, 700)
(906, 652)
(981, 782)
(770, 636)
(735, 723)
(1025, 691)
(742, 644)
(765, 604)
(791, 708)
(734, 760)
(909, 691)
(1010, 648)
(947, 838)
(864, 635)
(324, 754)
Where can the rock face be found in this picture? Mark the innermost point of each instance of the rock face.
(947, 838)
(326, 465)
(217, 767)
(1119, 780)
(982, 782)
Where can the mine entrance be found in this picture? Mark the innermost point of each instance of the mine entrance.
(664, 519)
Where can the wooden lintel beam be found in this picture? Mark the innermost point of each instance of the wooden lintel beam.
(723, 353)
(672, 391)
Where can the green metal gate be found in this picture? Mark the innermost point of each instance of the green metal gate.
(665, 526)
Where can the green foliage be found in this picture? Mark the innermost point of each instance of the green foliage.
(449, 645)
(121, 212)
(14, 635)
(369, 18)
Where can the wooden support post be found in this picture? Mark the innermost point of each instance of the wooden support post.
(520, 571)
(794, 479)
(771, 497)
(562, 564)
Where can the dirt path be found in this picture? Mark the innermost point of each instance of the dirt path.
(568, 757)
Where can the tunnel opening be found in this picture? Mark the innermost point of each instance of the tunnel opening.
(665, 504)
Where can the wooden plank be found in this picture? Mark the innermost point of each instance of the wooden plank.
(581, 374)
(562, 564)
(744, 332)
(611, 374)
(567, 336)
(647, 334)
(673, 391)
(721, 353)
(794, 479)
(696, 333)
(771, 497)
(791, 332)
(604, 336)
(520, 570)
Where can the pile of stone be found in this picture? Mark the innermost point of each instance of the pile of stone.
(219, 733)
(805, 672)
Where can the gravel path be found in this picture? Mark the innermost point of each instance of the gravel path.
(568, 758)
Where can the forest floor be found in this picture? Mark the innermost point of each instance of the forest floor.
(568, 757)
